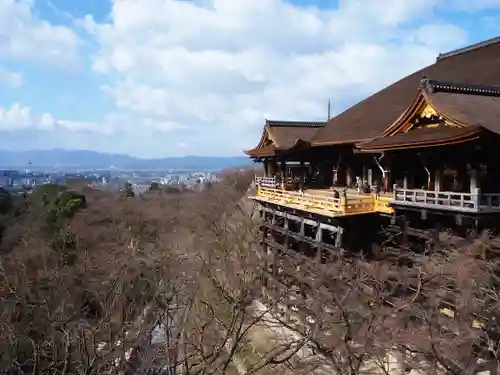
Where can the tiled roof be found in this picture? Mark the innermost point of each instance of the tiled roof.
(470, 48)
(272, 150)
(478, 64)
(286, 133)
(286, 136)
(262, 151)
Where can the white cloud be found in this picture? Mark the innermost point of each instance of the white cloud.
(19, 117)
(449, 35)
(200, 76)
(10, 79)
(217, 66)
(23, 36)
(474, 6)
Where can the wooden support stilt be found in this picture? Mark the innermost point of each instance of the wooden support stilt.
(287, 236)
(338, 237)
(404, 227)
(423, 214)
(319, 240)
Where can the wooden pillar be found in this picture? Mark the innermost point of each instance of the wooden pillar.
(265, 232)
(266, 167)
(284, 174)
(302, 175)
(438, 180)
(409, 180)
(271, 167)
(334, 176)
(404, 227)
(310, 172)
(338, 237)
(387, 180)
(287, 236)
(473, 180)
(348, 177)
(319, 239)
(474, 188)
(387, 175)
(308, 169)
(319, 233)
(476, 198)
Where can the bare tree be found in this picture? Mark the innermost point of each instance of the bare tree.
(158, 284)
(179, 284)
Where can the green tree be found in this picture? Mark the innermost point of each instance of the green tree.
(45, 195)
(65, 206)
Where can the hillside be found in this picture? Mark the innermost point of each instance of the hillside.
(97, 283)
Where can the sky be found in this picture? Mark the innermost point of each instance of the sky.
(156, 78)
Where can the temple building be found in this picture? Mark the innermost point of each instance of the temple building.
(418, 155)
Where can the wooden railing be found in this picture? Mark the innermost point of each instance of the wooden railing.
(266, 181)
(447, 200)
(490, 202)
(340, 206)
(383, 204)
(358, 204)
(444, 200)
(303, 200)
(437, 199)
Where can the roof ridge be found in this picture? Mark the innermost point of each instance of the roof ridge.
(311, 124)
(433, 86)
(469, 48)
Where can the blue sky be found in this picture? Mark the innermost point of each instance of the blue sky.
(156, 78)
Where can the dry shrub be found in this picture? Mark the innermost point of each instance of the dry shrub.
(124, 266)
(172, 283)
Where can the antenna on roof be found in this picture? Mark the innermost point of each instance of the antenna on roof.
(329, 107)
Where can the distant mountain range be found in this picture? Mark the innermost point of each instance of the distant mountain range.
(81, 159)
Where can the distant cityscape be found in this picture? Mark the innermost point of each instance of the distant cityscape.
(23, 170)
(20, 180)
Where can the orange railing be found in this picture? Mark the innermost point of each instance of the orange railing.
(338, 206)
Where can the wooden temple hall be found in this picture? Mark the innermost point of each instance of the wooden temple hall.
(419, 155)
